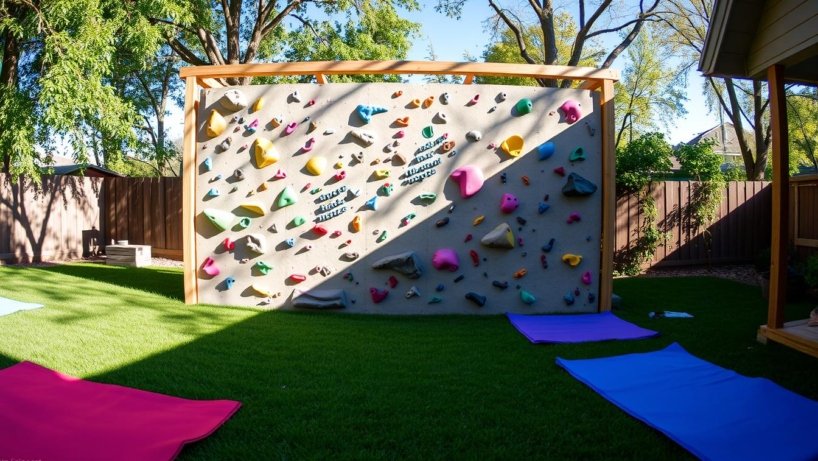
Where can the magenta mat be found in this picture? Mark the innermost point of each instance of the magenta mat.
(579, 328)
(47, 415)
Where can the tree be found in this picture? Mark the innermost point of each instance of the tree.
(652, 89)
(802, 113)
(542, 14)
(742, 102)
(642, 160)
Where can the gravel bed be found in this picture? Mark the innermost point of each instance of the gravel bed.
(742, 273)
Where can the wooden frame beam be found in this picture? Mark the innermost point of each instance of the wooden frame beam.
(189, 191)
(606, 103)
(781, 198)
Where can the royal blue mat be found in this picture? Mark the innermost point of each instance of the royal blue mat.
(715, 413)
(577, 328)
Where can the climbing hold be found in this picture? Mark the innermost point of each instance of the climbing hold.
(287, 197)
(372, 203)
(350, 256)
(263, 267)
(382, 174)
(544, 261)
(257, 243)
(446, 259)
(265, 154)
(221, 219)
(365, 138)
(527, 298)
(309, 145)
(276, 121)
(262, 187)
(313, 126)
(336, 233)
(215, 124)
(571, 259)
(290, 128)
(428, 132)
(441, 117)
(407, 218)
(311, 103)
(209, 267)
(319, 230)
(560, 170)
(225, 144)
(238, 174)
(427, 196)
(340, 175)
(577, 186)
(546, 150)
(366, 112)
(261, 290)
(403, 121)
(290, 242)
(543, 207)
(428, 102)
(444, 98)
(474, 135)
(244, 222)
(520, 273)
(233, 100)
(571, 110)
(356, 224)
(228, 282)
(207, 164)
(397, 94)
(521, 221)
(548, 246)
(501, 96)
(298, 221)
(573, 217)
(400, 134)
(513, 145)
(435, 300)
(470, 178)
(258, 105)
(387, 189)
(315, 166)
(499, 237)
(295, 96)
(280, 174)
(442, 222)
(476, 221)
(447, 146)
(406, 263)
(415, 102)
(503, 177)
(255, 207)
(378, 295)
(228, 244)
(320, 299)
(474, 100)
(523, 106)
(398, 159)
(577, 155)
(568, 298)
(475, 258)
(252, 126)
(298, 278)
(526, 180)
(500, 285)
(412, 292)
(586, 278)
(476, 298)
(392, 281)
(509, 203)
(459, 278)
(382, 237)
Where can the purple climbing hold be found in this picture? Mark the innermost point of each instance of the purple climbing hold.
(446, 259)
(509, 203)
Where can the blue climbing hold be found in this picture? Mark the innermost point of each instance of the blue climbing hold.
(208, 164)
(543, 207)
(372, 203)
(440, 287)
(568, 298)
(228, 282)
(290, 242)
(213, 192)
(548, 246)
(366, 112)
(546, 150)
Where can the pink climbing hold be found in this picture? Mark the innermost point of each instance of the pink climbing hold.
(209, 267)
(298, 278)
(574, 217)
(280, 174)
(571, 110)
(378, 295)
(311, 102)
(393, 281)
(509, 203)
(474, 99)
(400, 134)
(470, 179)
(586, 277)
(340, 175)
(560, 170)
(229, 245)
(336, 233)
(290, 127)
(468, 238)
(446, 259)
(309, 145)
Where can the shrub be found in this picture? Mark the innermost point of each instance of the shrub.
(642, 160)
(811, 271)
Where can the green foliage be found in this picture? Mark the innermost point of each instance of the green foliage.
(642, 160)
(699, 162)
(802, 113)
(649, 238)
(811, 271)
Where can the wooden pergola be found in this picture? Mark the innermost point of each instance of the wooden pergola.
(777, 42)
(591, 79)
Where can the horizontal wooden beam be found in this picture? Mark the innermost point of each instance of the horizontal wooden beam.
(476, 69)
(782, 336)
(206, 82)
(805, 178)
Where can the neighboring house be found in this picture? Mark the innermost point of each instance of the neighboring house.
(91, 171)
(725, 142)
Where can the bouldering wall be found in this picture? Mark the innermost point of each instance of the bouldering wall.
(398, 198)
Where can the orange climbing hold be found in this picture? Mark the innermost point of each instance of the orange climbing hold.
(356, 224)
(403, 121)
(397, 94)
(520, 273)
(447, 146)
(428, 102)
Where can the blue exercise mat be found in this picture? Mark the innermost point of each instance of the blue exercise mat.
(10, 306)
(715, 413)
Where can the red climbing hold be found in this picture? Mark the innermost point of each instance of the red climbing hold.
(468, 238)
(475, 258)
(340, 175)
(560, 171)
(320, 230)
(336, 233)
(229, 245)
(311, 102)
(393, 282)
(298, 278)
(378, 295)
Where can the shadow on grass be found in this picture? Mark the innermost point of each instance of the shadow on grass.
(166, 282)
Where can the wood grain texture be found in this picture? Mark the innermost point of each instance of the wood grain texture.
(189, 191)
(781, 189)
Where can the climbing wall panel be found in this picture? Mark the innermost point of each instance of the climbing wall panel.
(318, 183)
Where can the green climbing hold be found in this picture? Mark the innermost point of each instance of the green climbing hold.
(298, 220)
(428, 196)
(577, 155)
(263, 267)
(287, 197)
(244, 223)
(428, 132)
(523, 106)
(382, 237)
(315, 190)
(435, 300)
(527, 297)
(221, 219)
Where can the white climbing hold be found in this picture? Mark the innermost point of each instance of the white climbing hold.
(295, 96)
(233, 100)
(257, 243)
(364, 137)
(474, 135)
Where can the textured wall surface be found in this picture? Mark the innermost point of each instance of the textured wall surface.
(333, 108)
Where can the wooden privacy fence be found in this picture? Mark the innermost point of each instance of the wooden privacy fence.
(804, 213)
(739, 232)
(67, 215)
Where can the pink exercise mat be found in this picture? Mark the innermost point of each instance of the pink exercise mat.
(47, 415)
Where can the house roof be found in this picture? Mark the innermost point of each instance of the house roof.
(733, 38)
(728, 145)
(76, 168)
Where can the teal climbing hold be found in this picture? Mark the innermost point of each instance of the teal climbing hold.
(263, 267)
(298, 221)
(577, 186)
(366, 112)
(220, 219)
(382, 237)
(428, 132)
(577, 155)
(244, 223)
(208, 164)
(523, 106)
(527, 297)
(435, 300)
(387, 189)
(287, 197)
(213, 192)
(228, 282)
(372, 203)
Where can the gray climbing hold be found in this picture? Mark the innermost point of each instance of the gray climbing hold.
(476, 298)
(238, 174)
(444, 98)
(225, 144)
(233, 100)
(474, 136)
(406, 263)
(364, 137)
(499, 237)
(320, 299)
(577, 186)
(412, 292)
(257, 243)
(350, 256)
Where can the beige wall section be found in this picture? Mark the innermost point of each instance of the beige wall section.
(786, 28)
(334, 109)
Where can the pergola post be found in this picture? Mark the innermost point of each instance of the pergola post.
(781, 197)
(189, 190)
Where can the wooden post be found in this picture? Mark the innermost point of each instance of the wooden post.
(781, 197)
(606, 105)
(189, 191)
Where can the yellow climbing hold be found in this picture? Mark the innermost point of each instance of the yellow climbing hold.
(356, 224)
(513, 145)
(381, 174)
(262, 187)
(415, 103)
(215, 124)
(316, 165)
(339, 165)
(255, 207)
(265, 154)
(258, 105)
(571, 259)
(478, 220)
(261, 291)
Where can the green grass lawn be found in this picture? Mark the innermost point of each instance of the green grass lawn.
(323, 385)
